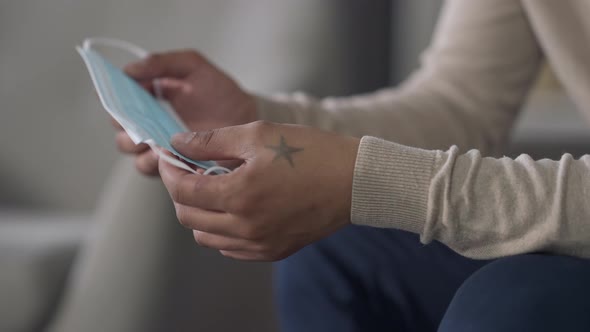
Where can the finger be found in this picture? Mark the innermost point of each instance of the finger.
(148, 86)
(177, 64)
(147, 163)
(229, 143)
(125, 144)
(245, 255)
(116, 124)
(256, 255)
(171, 88)
(202, 191)
(213, 222)
(230, 164)
(166, 88)
(221, 242)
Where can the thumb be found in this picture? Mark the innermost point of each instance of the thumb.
(227, 143)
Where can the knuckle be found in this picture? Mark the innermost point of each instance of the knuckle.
(203, 138)
(153, 59)
(175, 191)
(194, 55)
(259, 130)
(141, 166)
(149, 159)
(261, 126)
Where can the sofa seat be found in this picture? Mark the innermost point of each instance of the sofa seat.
(36, 252)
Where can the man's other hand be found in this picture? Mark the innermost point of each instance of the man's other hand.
(203, 96)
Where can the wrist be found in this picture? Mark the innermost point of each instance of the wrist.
(274, 110)
(346, 179)
(248, 109)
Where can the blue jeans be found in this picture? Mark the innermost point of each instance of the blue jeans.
(368, 279)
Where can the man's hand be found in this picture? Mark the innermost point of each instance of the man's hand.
(203, 96)
(293, 188)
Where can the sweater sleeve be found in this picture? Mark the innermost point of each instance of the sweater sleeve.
(472, 81)
(479, 207)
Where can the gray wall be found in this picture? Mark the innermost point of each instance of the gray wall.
(412, 23)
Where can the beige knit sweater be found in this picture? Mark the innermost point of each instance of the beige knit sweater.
(473, 80)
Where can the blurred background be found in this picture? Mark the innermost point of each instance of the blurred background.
(71, 206)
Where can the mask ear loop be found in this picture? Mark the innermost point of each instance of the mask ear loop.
(216, 170)
(116, 43)
(142, 54)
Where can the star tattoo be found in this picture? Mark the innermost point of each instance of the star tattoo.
(284, 151)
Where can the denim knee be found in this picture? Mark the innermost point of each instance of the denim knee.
(523, 293)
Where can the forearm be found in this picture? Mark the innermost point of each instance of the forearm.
(471, 84)
(414, 117)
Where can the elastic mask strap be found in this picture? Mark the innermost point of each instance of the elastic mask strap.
(116, 43)
(141, 53)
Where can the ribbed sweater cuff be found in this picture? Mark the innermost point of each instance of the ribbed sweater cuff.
(390, 185)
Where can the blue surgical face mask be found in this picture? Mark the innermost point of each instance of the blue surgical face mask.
(144, 118)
